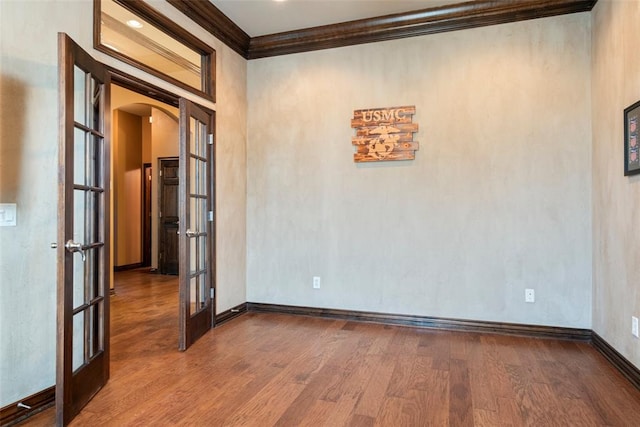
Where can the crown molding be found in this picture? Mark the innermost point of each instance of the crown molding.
(446, 18)
(209, 17)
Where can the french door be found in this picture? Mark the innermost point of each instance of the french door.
(82, 365)
(83, 249)
(196, 230)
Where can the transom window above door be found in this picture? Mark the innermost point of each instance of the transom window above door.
(134, 32)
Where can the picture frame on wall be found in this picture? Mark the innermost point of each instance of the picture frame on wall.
(632, 139)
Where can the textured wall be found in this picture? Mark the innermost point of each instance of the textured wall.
(616, 198)
(28, 171)
(497, 200)
(127, 184)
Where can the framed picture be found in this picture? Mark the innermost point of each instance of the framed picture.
(631, 140)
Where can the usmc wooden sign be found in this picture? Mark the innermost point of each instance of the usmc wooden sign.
(384, 134)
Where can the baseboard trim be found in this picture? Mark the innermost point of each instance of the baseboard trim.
(232, 313)
(626, 368)
(536, 331)
(117, 268)
(12, 413)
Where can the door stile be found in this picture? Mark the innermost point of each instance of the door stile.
(64, 324)
(212, 220)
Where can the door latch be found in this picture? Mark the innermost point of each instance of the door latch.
(73, 247)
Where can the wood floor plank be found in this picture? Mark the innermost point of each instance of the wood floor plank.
(391, 413)
(482, 386)
(383, 336)
(419, 409)
(462, 345)
(361, 421)
(268, 406)
(497, 374)
(266, 369)
(328, 375)
(460, 402)
(508, 412)
(578, 409)
(317, 415)
(401, 379)
(421, 374)
(438, 394)
(376, 387)
(350, 372)
(436, 345)
(485, 418)
(614, 408)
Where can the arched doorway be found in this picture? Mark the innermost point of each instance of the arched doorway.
(145, 132)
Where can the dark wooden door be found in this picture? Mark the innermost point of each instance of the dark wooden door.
(197, 240)
(168, 249)
(82, 356)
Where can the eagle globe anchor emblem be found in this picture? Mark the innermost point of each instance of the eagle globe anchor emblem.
(382, 146)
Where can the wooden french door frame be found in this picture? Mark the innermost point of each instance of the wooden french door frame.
(83, 249)
(197, 226)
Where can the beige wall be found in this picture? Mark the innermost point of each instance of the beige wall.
(497, 200)
(146, 140)
(127, 186)
(616, 198)
(28, 171)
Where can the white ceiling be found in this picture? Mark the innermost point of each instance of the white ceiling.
(260, 17)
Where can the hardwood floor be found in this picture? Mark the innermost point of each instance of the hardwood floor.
(273, 369)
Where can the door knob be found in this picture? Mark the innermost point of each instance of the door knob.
(72, 247)
(191, 233)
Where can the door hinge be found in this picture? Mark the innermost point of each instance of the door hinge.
(210, 139)
(160, 214)
(210, 216)
(160, 172)
(212, 293)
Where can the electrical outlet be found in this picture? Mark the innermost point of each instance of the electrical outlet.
(634, 327)
(529, 295)
(316, 282)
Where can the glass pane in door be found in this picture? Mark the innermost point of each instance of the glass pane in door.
(79, 95)
(88, 203)
(78, 341)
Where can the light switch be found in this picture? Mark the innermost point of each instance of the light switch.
(8, 214)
